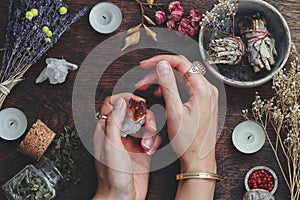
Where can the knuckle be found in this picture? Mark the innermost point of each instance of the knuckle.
(107, 101)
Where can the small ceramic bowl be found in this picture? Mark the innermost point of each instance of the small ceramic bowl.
(240, 75)
(265, 169)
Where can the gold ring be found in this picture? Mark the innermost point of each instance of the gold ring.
(100, 116)
(196, 68)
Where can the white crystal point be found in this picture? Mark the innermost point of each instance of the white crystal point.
(42, 77)
(56, 71)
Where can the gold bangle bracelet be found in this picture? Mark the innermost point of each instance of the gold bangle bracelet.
(197, 175)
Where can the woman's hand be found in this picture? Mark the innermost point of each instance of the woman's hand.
(122, 164)
(192, 125)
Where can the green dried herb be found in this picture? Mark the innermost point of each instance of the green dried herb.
(28, 184)
(63, 152)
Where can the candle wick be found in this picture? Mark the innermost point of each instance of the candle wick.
(104, 17)
(12, 123)
(249, 137)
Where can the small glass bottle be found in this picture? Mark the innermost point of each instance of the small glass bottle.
(40, 181)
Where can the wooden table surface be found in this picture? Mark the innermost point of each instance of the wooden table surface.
(53, 105)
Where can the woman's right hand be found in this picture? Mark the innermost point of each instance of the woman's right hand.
(192, 125)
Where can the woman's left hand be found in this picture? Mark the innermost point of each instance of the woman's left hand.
(122, 164)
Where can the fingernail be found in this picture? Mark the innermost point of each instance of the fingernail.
(151, 151)
(148, 142)
(163, 67)
(154, 146)
(143, 61)
(153, 125)
(119, 103)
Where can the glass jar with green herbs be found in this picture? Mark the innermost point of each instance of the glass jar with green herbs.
(35, 182)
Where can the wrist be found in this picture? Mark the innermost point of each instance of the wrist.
(110, 195)
(196, 164)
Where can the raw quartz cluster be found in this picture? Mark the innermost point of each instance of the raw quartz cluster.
(56, 71)
(135, 117)
(34, 26)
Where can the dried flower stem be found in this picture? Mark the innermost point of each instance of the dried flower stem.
(142, 4)
(282, 112)
(154, 4)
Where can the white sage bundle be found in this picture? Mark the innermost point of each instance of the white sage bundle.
(260, 49)
(227, 50)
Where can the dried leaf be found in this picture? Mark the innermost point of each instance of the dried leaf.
(150, 33)
(131, 40)
(150, 3)
(134, 29)
(149, 20)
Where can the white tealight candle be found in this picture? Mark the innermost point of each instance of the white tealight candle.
(13, 123)
(248, 137)
(105, 17)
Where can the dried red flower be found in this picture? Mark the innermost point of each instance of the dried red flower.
(160, 17)
(195, 16)
(175, 6)
(185, 27)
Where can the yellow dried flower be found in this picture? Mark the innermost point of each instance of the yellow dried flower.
(48, 40)
(29, 15)
(45, 29)
(35, 12)
(63, 10)
(49, 34)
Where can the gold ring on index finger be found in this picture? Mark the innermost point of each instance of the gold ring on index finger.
(196, 68)
(100, 116)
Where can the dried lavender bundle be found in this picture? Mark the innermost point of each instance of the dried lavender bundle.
(34, 26)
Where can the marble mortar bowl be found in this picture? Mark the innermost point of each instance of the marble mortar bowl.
(235, 75)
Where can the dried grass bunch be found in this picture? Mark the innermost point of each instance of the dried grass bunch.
(281, 113)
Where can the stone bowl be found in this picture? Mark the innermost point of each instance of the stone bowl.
(257, 168)
(242, 75)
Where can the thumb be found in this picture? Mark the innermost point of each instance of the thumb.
(169, 89)
(115, 120)
(115, 153)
